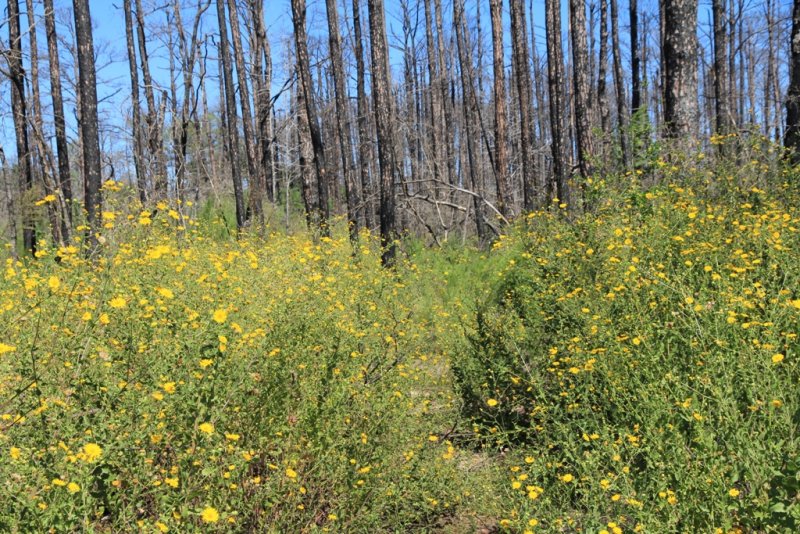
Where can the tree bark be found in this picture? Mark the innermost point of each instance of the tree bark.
(20, 115)
(580, 80)
(470, 105)
(342, 118)
(721, 87)
(679, 26)
(87, 88)
(384, 116)
(155, 145)
(304, 75)
(619, 85)
(792, 133)
(519, 51)
(555, 75)
(230, 115)
(636, 82)
(362, 110)
(136, 113)
(255, 178)
(602, 73)
(500, 127)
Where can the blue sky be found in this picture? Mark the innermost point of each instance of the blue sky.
(109, 34)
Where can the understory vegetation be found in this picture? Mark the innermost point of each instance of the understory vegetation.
(629, 368)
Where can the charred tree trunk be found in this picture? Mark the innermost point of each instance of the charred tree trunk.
(255, 180)
(522, 74)
(87, 88)
(602, 73)
(342, 118)
(619, 85)
(470, 105)
(636, 80)
(680, 68)
(792, 133)
(155, 145)
(304, 75)
(721, 82)
(362, 110)
(500, 127)
(230, 115)
(381, 83)
(136, 113)
(262, 79)
(19, 110)
(580, 81)
(555, 76)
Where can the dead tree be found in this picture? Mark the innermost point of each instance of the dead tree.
(20, 114)
(792, 133)
(680, 68)
(555, 77)
(136, 112)
(382, 105)
(580, 81)
(232, 129)
(304, 76)
(522, 74)
(500, 126)
(87, 88)
(619, 85)
(154, 124)
(342, 118)
(362, 110)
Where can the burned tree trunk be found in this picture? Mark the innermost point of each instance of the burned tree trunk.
(792, 134)
(59, 122)
(342, 118)
(500, 127)
(381, 83)
(87, 88)
(555, 76)
(580, 81)
(304, 76)
(721, 83)
(522, 75)
(255, 177)
(362, 110)
(230, 115)
(680, 68)
(154, 142)
(136, 113)
(19, 110)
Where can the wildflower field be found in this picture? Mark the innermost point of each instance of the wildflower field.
(631, 368)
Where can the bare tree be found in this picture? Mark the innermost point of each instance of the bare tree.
(519, 52)
(19, 109)
(555, 76)
(153, 118)
(679, 30)
(136, 113)
(619, 85)
(382, 104)
(792, 135)
(87, 87)
(721, 81)
(304, 76)
(342, 118)
(500, 127)
(580, 81)
(362, 110)
(232, 129)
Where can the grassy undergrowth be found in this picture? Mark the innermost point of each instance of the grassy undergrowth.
(629, 369)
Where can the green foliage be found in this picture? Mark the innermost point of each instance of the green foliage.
(638, 362)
